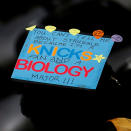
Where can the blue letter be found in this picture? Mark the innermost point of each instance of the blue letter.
(64, 54)
(46, 50)
(75, 53)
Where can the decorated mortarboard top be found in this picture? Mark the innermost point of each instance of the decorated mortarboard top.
(62, 58)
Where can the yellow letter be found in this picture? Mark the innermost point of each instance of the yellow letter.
(34, 48)
(84, 54)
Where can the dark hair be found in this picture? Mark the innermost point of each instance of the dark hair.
(52, 107)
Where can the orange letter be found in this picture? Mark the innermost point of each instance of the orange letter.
(55, 50)
(84, 54)
(34, 48)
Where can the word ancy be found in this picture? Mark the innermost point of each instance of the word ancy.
(61, 52)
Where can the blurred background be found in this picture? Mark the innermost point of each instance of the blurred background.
(16, 16)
